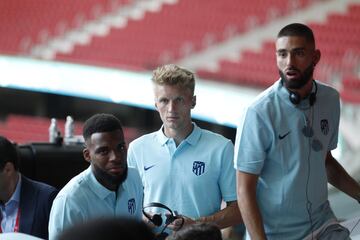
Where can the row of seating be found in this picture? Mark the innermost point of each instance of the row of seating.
(350, 90)
(186, 27)
(24, 129)
(178, 30)
(25, 23)
(340, 54)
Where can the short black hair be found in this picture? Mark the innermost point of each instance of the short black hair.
(297, 29)
(8, 153)
(101, 122)
(109, 229)
(198, 231)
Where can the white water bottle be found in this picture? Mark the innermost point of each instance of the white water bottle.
(53, 131)
(69, 127)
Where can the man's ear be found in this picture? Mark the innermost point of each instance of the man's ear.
(86, 154)
(317, 57)
(193, 102)
(8, 168)
(156, 107)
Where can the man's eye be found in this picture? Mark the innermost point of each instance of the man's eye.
(103, 152)
(282, 54)
(179, 100)
(122, 148)
(300, 53)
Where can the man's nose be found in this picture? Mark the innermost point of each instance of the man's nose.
(171, 106)
(115, 156)
(290, 60)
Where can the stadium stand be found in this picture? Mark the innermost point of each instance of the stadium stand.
(254, 69)
(350, 91)
(170, 39)
(23, 129)
(29, 22)
(337, 39)
(190, 27)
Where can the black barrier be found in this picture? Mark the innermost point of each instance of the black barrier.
(54, 164)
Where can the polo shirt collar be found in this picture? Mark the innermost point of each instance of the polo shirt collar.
(161, 136)
(194, 136)
(101, 191)
(192, 139)
(284, 95)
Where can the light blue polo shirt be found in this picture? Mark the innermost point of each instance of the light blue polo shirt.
(192, 178)
(270, 143)
(84, 198)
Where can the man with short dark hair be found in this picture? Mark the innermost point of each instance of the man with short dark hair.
(24, 204)
(107, 188)
(110, 228)
(283, 149)
(198, 231)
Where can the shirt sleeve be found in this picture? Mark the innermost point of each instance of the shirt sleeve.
(139, 191)
(335, 134)
(253, 138)
(131, 157)
(64, 213)
(228, 174)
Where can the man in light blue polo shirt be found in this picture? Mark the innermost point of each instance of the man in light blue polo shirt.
(107, 188)
(283, 149)
(187, 168)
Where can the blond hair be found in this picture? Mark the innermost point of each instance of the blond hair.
(172, 74)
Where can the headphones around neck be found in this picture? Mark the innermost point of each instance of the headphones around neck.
(295, 98)
(156, 219)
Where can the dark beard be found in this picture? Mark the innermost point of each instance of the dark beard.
(111, 182)
(298, 83)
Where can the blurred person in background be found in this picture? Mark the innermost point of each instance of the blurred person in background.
(113, 228)
(24, 204)
(197, 231)
(108, 188)
(187, 168)
(283, 149)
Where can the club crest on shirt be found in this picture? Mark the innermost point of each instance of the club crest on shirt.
(198, 168)
(131, 206)
(324, 126)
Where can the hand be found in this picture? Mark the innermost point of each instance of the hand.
(148, 222)
(180, 222)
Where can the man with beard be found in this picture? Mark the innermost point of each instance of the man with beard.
(283, 149)
(108, 188)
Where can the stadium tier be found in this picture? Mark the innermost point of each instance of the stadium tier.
(338, 40)
(25, 129)
(179, 29)
(25, 23)
(350, 91)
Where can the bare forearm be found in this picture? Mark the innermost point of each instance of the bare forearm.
(251, 217)
(339, 178)
(250, 212)
(229, 216)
